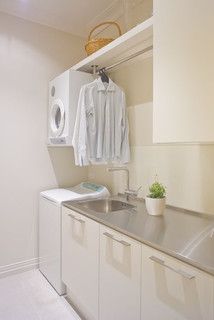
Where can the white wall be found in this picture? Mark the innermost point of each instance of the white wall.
(185, 170)
(30, 55)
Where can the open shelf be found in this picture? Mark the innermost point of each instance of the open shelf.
(136, 39)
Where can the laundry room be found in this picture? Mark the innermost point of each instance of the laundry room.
(106, 160)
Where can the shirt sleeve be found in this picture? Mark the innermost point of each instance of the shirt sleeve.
(125, 149)
(79, 141)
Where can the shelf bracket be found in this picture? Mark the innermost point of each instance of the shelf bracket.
(94, 68)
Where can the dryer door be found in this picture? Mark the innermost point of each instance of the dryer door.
(57, 118)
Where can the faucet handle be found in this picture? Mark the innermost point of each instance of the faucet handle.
(139, 189)
(133, 193)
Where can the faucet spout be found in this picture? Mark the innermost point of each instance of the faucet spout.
(128, 192)
(110, 169)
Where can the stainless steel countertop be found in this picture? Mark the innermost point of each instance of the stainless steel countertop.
(185, 235)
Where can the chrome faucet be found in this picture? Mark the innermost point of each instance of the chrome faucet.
(128, 192)
(121, 169)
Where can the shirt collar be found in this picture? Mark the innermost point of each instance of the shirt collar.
(101, 86)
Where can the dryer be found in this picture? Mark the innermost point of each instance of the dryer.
(63, 100)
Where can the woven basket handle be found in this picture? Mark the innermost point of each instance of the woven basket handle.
(104, 23)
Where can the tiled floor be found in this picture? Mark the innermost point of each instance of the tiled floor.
(28, 296)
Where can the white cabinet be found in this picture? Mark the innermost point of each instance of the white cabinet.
(172, 290)
(120, 274)
(183, 71)
(80, 260)
(111, 276)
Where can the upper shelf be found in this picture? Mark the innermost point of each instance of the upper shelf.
(138, 38)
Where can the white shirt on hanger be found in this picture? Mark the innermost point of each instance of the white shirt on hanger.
(101, 128)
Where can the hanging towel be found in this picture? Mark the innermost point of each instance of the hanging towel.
(101, 132)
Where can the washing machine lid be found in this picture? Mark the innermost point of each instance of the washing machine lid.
(84, 190)
(57, 118)
(58, 195)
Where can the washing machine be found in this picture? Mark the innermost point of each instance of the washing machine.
(63, 100)
(50, 210)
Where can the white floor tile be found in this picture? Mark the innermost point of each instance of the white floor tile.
(28, 296)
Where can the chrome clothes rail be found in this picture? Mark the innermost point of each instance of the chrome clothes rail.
(132, 56)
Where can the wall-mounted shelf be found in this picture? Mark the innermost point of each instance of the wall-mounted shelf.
(136, 39)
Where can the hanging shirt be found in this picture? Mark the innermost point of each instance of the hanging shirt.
(101, 128)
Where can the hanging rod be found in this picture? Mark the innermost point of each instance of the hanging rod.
(136, 54)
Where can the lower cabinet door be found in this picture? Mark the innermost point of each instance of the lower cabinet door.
(80, 261)
(120, 276)
(172, 290)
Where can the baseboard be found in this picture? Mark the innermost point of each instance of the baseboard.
(18, 267)
(77, 312)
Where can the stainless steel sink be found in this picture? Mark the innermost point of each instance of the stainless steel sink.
(106, 205)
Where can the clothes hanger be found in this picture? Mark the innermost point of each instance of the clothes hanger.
(103, 75)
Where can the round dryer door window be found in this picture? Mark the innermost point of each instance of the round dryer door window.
(57, 118)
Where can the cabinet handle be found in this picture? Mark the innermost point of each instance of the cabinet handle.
(115, 239)
(180, 272)
(75, 218)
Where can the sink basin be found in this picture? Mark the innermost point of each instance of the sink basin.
(106, 205)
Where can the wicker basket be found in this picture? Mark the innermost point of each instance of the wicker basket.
(95, 44)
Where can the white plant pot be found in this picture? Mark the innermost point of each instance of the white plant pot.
(155, 206)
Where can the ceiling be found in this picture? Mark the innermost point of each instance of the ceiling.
(73, 16)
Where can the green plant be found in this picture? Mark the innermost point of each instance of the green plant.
(157, 190)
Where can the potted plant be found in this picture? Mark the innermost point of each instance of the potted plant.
(156, 200)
